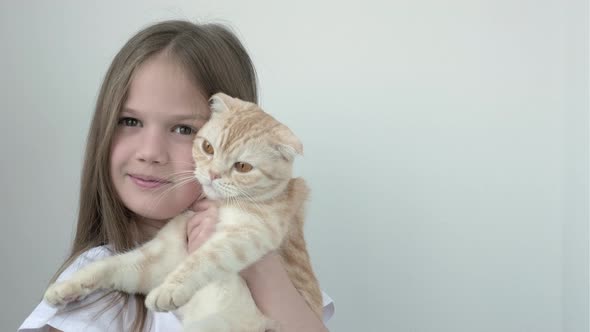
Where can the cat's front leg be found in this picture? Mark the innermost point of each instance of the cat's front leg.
(180, 285)
(83, 282)
(137, 271)
(228, 251)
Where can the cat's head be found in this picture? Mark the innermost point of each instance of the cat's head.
(243, 152)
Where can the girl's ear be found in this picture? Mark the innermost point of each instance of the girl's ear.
(220, 102)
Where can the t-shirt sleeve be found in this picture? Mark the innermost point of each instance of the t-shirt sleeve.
(95, 313)
(328, 307)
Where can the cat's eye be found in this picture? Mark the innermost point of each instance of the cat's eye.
(207, 147)
(243, 167)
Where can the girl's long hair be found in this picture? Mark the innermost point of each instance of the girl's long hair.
(216, 61)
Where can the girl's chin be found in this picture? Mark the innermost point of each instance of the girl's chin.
(152, 213)
(157, 218)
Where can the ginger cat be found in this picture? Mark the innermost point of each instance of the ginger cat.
(243, 158)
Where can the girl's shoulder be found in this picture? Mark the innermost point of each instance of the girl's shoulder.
(100, 311)
(85, 258)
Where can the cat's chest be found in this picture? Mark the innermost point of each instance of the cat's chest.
(233, 216)
(229, 216)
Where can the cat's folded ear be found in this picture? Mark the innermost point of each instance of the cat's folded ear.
(288, 145)
(220, 102)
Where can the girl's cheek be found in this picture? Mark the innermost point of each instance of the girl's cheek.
(184, 154)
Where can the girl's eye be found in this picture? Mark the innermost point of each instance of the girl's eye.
(129, 122)
(185, 130)
(242, 167)
(207, 147)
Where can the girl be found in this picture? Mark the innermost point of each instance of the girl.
(138, 174)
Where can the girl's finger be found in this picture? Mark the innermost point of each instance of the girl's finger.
(203, 205)
(197, 221)
(195, 240)
(191, 229)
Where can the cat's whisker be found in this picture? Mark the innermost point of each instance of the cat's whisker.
(149, 169)
(238, 203)
(233, 201)
(181, 182)
(181, 162)
(173, 176)
(165, 192)
(243, 192)
(201, 173)
(154, 205)
(255, 205)
(251, 199)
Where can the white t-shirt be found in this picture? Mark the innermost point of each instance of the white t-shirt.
(94, 318)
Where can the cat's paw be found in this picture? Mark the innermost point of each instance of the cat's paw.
(62, 293)
(168, 297)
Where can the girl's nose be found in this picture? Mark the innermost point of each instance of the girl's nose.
(152, 148)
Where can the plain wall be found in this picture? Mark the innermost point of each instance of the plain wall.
(446, 144)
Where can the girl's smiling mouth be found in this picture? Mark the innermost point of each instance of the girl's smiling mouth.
(148, 182)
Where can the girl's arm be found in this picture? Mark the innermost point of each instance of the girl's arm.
(267, 279)
(277, 298)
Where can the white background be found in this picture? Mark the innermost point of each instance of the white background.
(446, 144)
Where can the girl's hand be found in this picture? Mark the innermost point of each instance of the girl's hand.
(202, 225)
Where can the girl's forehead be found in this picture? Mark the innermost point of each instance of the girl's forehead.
(161, 85)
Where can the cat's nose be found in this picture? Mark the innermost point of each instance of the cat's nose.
(213, 175)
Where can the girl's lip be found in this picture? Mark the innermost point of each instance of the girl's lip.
(147, 181)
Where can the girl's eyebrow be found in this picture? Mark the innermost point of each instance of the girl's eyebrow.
(175, 117)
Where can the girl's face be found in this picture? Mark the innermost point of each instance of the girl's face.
(151, 161)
